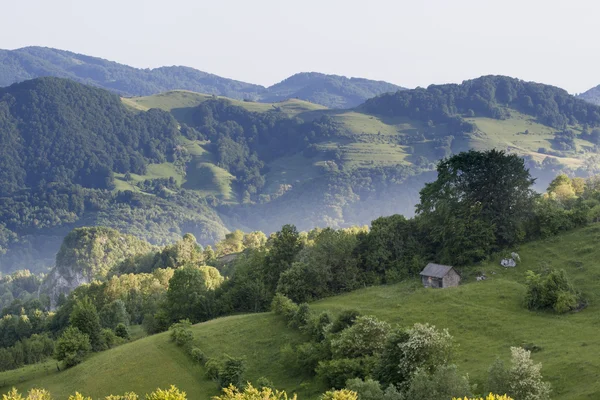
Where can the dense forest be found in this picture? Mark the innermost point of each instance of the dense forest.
(34, 62)
(488, 96)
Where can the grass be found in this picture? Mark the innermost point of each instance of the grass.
(180, 102)
(486, 318)
(154, 361)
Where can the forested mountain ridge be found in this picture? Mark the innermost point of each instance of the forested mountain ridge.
(329, 90)
(33, 62)
(592, 95)
(80, 156)
(61, 144)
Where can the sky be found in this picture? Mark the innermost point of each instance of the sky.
(409, 43)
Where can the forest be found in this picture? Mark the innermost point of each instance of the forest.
(463, 218)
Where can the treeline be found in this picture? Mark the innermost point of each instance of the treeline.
(488, 96)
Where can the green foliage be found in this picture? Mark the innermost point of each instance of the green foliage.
(281, 305)
(522, 380)
(486, 96)
(406, 351)
(114, 314)
(342, 394)
(198, 355)
(284, 246)
(93, 251)
(109, 338)
(122, 331)
(85, 318)
(337, 371)
(441, 384)
(190, 295)
(72, 346)
(345, 319)
(487, 190)
(370, 389)
(366, 337)
(169, 394)
(232, 372)
(181, 333)
(551, 291)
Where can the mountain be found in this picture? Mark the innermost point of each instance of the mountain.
(62, 144)
(163, 165)
(332, 91)
(33, 62)
(480, 315)
(329, 90)
(592, 95)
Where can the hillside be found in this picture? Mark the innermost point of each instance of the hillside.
(208, 164)
(592, 95)
(328, 90)
(331, 90)
(485, 318)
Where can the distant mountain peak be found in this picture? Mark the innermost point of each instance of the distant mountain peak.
(332, 91)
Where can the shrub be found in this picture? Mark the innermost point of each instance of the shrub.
(336, 372)
(365, 338)
(212, 367)
(252, 393)
(553, 291)
(343, 394)
(344, 320)
(34, 394)
(232, 372)
(523, 380)
(72, 346)
(442, 384)
(109, 337)
(197, 355)
(301, 317)
(264, 382)
(181, 333)
(281, 305)
(122, 331)
(318, 325)
(170, 394)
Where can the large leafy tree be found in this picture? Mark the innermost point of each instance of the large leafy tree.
(189, 296)
(495, 185)
(85, 318)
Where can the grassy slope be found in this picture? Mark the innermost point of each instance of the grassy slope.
(486, 318)
(368, 141)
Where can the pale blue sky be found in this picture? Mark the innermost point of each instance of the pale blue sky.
(409, 43)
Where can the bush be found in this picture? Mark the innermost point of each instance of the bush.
(343, 394)
(281, 305)
(212, 367)
(366, 337)
(232, 372)
(551, 292)
(181, 333)
(34, 394)
(523, 380)
(170, 394)
(442, 384)
(336, 372)
(252, 393)
(122, 331)
(317, 326)
(197, 355)
(264, 382)
(72, 346)
(109, 338)
(344, 320)
(301, 317)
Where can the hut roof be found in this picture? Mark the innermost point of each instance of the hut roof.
(436, 270)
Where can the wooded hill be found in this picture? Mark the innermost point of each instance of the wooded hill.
(79, 156)
(34, 62)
